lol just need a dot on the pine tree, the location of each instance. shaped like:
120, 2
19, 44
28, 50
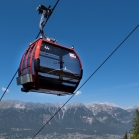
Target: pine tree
135, 129
125, 136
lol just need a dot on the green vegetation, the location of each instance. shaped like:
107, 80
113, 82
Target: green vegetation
125, 136
134, 134
135, 129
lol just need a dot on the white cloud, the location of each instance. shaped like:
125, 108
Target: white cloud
78, 93
3, 89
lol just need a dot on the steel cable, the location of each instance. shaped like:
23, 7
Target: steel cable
17, 69
87, 80
8, 85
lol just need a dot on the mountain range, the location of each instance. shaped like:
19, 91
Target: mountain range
23, 119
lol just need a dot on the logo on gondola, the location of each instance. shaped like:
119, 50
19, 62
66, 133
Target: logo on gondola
72, 56
47, 48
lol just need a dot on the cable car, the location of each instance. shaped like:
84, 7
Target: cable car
50, 68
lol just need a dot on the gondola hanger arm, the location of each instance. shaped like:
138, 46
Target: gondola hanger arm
46, 12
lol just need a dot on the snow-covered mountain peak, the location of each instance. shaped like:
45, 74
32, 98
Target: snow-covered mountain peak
97, 107
76, 104
93, 104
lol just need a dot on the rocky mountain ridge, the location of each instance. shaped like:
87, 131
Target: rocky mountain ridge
94, 105
90, 119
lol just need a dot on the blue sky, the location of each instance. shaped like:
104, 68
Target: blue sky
95, 28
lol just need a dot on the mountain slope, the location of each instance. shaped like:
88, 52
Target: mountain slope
21, 119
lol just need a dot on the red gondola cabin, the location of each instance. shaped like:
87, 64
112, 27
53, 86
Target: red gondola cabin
47, 67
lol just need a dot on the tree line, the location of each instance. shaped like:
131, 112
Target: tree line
134, 132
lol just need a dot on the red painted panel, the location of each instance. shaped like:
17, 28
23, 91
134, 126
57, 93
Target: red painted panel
37, 53
32, 54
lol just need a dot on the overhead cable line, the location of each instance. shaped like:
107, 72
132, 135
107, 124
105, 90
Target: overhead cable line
36, 38
87, 80
8, 85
